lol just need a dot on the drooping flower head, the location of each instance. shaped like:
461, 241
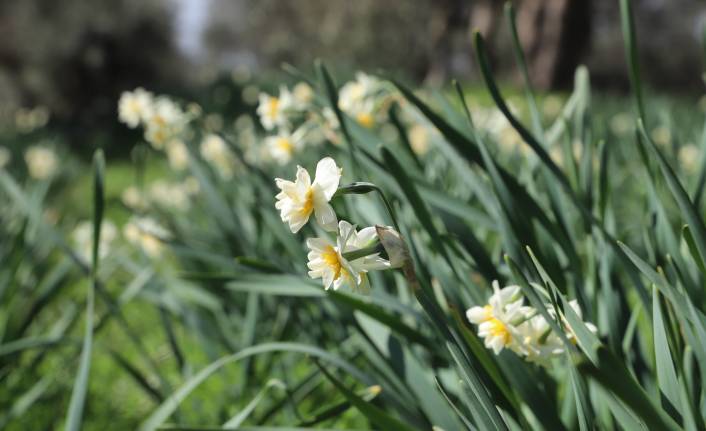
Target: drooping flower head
327, 261
301, 198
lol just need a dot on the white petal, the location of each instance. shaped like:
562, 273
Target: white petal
325, 216
296, 223
317, 244
328, 278
366, 236
345, 231
497, 345
374, 263
478, 315
328, 175
303, 180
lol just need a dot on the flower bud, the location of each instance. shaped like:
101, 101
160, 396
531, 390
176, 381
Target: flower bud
394, 245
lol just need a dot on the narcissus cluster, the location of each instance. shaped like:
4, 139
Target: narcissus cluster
505, 322
333, 260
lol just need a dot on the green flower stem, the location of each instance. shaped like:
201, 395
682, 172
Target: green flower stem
359, 188
363, 252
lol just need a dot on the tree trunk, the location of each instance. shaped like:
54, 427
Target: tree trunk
555, 34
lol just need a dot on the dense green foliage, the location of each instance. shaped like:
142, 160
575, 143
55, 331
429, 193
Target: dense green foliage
213, 322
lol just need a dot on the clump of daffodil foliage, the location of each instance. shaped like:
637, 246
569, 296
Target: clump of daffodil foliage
358, 255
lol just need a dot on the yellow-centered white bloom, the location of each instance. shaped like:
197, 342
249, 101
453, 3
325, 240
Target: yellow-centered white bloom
135, 107
215, 151
303, 95
282, 146
354, 93
299, 199
506, 323
133, 198
5, 157
164, 121
498, 319
177, 154
147, 234
272, 110
358, 99
326, 260
42, 162
83, 238
540, 343
169, 195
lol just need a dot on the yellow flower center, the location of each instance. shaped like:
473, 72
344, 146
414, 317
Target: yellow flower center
365, 119
273, 106
160, 135
330, 257
134, 106
285, 145
159, 121
308, 204
498, 329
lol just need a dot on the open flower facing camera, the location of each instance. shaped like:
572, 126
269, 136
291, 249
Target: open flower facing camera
301, 198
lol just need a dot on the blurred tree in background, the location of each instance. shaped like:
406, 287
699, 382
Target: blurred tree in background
76, 56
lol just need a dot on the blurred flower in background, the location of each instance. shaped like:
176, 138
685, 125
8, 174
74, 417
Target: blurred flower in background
83, 239
42, 162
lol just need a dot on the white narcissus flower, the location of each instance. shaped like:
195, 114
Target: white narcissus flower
303, 95
42, 162
541, 343
272, 110
83, 238
169, 195
498, 319
358, 99
282, 146
177, 154
326, 260
133, 198
577, 309
354, 93
215, 151
165, 120
147, 234
506, 322
299, 199
135, 107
